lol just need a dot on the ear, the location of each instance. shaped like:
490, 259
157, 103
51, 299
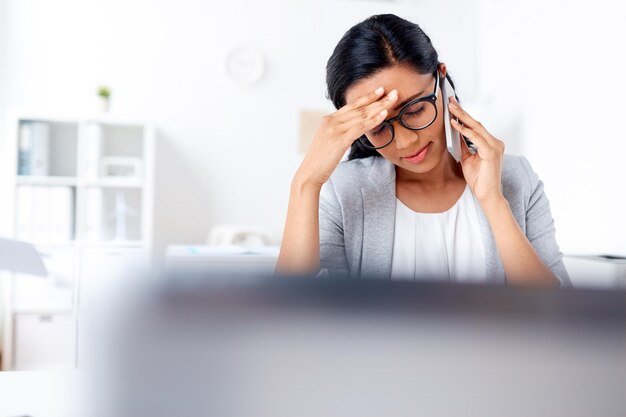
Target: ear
442, 69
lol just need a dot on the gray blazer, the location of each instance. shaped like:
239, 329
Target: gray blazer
358, 208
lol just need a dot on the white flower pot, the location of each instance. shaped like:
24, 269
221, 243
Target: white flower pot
105, 104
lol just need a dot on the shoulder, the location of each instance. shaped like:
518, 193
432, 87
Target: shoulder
518, 178
350, 177
362, 172
359, 168
347, 177
517, 169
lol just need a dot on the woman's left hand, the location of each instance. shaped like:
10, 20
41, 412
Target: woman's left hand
482, 170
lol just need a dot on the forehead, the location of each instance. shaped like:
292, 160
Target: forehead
401, 77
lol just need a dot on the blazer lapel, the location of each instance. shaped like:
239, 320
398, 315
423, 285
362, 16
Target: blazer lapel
379, 214
494, 270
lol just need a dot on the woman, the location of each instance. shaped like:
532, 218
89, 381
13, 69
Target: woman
402, 206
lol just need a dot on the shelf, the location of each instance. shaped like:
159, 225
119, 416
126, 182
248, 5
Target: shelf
74, 181
113, 183
54, 245
81, 189
43, 246
113, 244
60, 117
41, 311
46, 180
47, 148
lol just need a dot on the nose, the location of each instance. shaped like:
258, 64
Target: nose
405, 139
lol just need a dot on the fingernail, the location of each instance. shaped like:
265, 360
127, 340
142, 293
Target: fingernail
379, 90
393, 93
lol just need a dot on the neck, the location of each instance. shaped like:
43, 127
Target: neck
444, 174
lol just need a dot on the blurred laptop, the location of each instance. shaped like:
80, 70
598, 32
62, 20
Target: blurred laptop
221, 345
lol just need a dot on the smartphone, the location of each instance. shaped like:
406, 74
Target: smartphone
453, 138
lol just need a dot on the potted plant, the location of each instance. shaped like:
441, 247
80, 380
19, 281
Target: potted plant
105, 97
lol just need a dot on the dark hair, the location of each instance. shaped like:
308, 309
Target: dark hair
378, 42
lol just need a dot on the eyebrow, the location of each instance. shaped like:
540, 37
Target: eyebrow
413, 97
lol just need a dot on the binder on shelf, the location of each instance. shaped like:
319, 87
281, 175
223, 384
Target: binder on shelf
25, 212
40, 149
61, 214
44, 214
92, 150
25, 148
40, 217
92, 218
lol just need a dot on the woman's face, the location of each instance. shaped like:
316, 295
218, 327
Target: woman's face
417, 151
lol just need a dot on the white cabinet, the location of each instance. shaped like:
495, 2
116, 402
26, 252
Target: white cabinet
120, 262
56, 292
44, 341
81, 190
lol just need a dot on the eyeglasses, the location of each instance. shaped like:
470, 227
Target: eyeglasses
415, 115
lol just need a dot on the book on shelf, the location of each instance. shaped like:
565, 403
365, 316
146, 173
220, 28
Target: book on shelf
61, 214
24, 207
34, 148
44, 214
92, 216
24, 148
92, 150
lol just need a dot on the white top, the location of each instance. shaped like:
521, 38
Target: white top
444, 246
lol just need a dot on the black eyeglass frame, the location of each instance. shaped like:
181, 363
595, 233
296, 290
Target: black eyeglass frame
432, 98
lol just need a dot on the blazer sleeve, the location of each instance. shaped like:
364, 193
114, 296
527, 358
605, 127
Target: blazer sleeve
540, 229
333, 259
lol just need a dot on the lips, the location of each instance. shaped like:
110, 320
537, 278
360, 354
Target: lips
416, 153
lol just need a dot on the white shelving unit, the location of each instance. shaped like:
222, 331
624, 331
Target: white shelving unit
81, 190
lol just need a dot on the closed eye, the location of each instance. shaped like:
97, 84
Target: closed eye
412, 113
377, 130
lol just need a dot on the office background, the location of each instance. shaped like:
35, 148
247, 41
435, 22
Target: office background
544, 76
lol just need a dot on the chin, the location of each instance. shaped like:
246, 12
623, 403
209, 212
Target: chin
422, 168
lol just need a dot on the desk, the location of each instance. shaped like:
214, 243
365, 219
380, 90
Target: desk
584, 271
259, 259
596, 271
39, 393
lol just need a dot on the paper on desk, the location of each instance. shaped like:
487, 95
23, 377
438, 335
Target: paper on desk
17, 256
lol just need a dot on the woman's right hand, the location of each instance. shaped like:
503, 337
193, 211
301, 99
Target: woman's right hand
338, 131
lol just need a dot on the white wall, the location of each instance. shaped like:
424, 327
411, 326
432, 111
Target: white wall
165, 63
561, 66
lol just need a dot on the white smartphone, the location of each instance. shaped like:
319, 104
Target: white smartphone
453, 138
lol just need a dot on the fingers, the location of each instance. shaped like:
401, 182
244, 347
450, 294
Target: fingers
358, 121
466, 119
486, 149
478, 140
368, 110
357, 127
486, 144
362, 101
